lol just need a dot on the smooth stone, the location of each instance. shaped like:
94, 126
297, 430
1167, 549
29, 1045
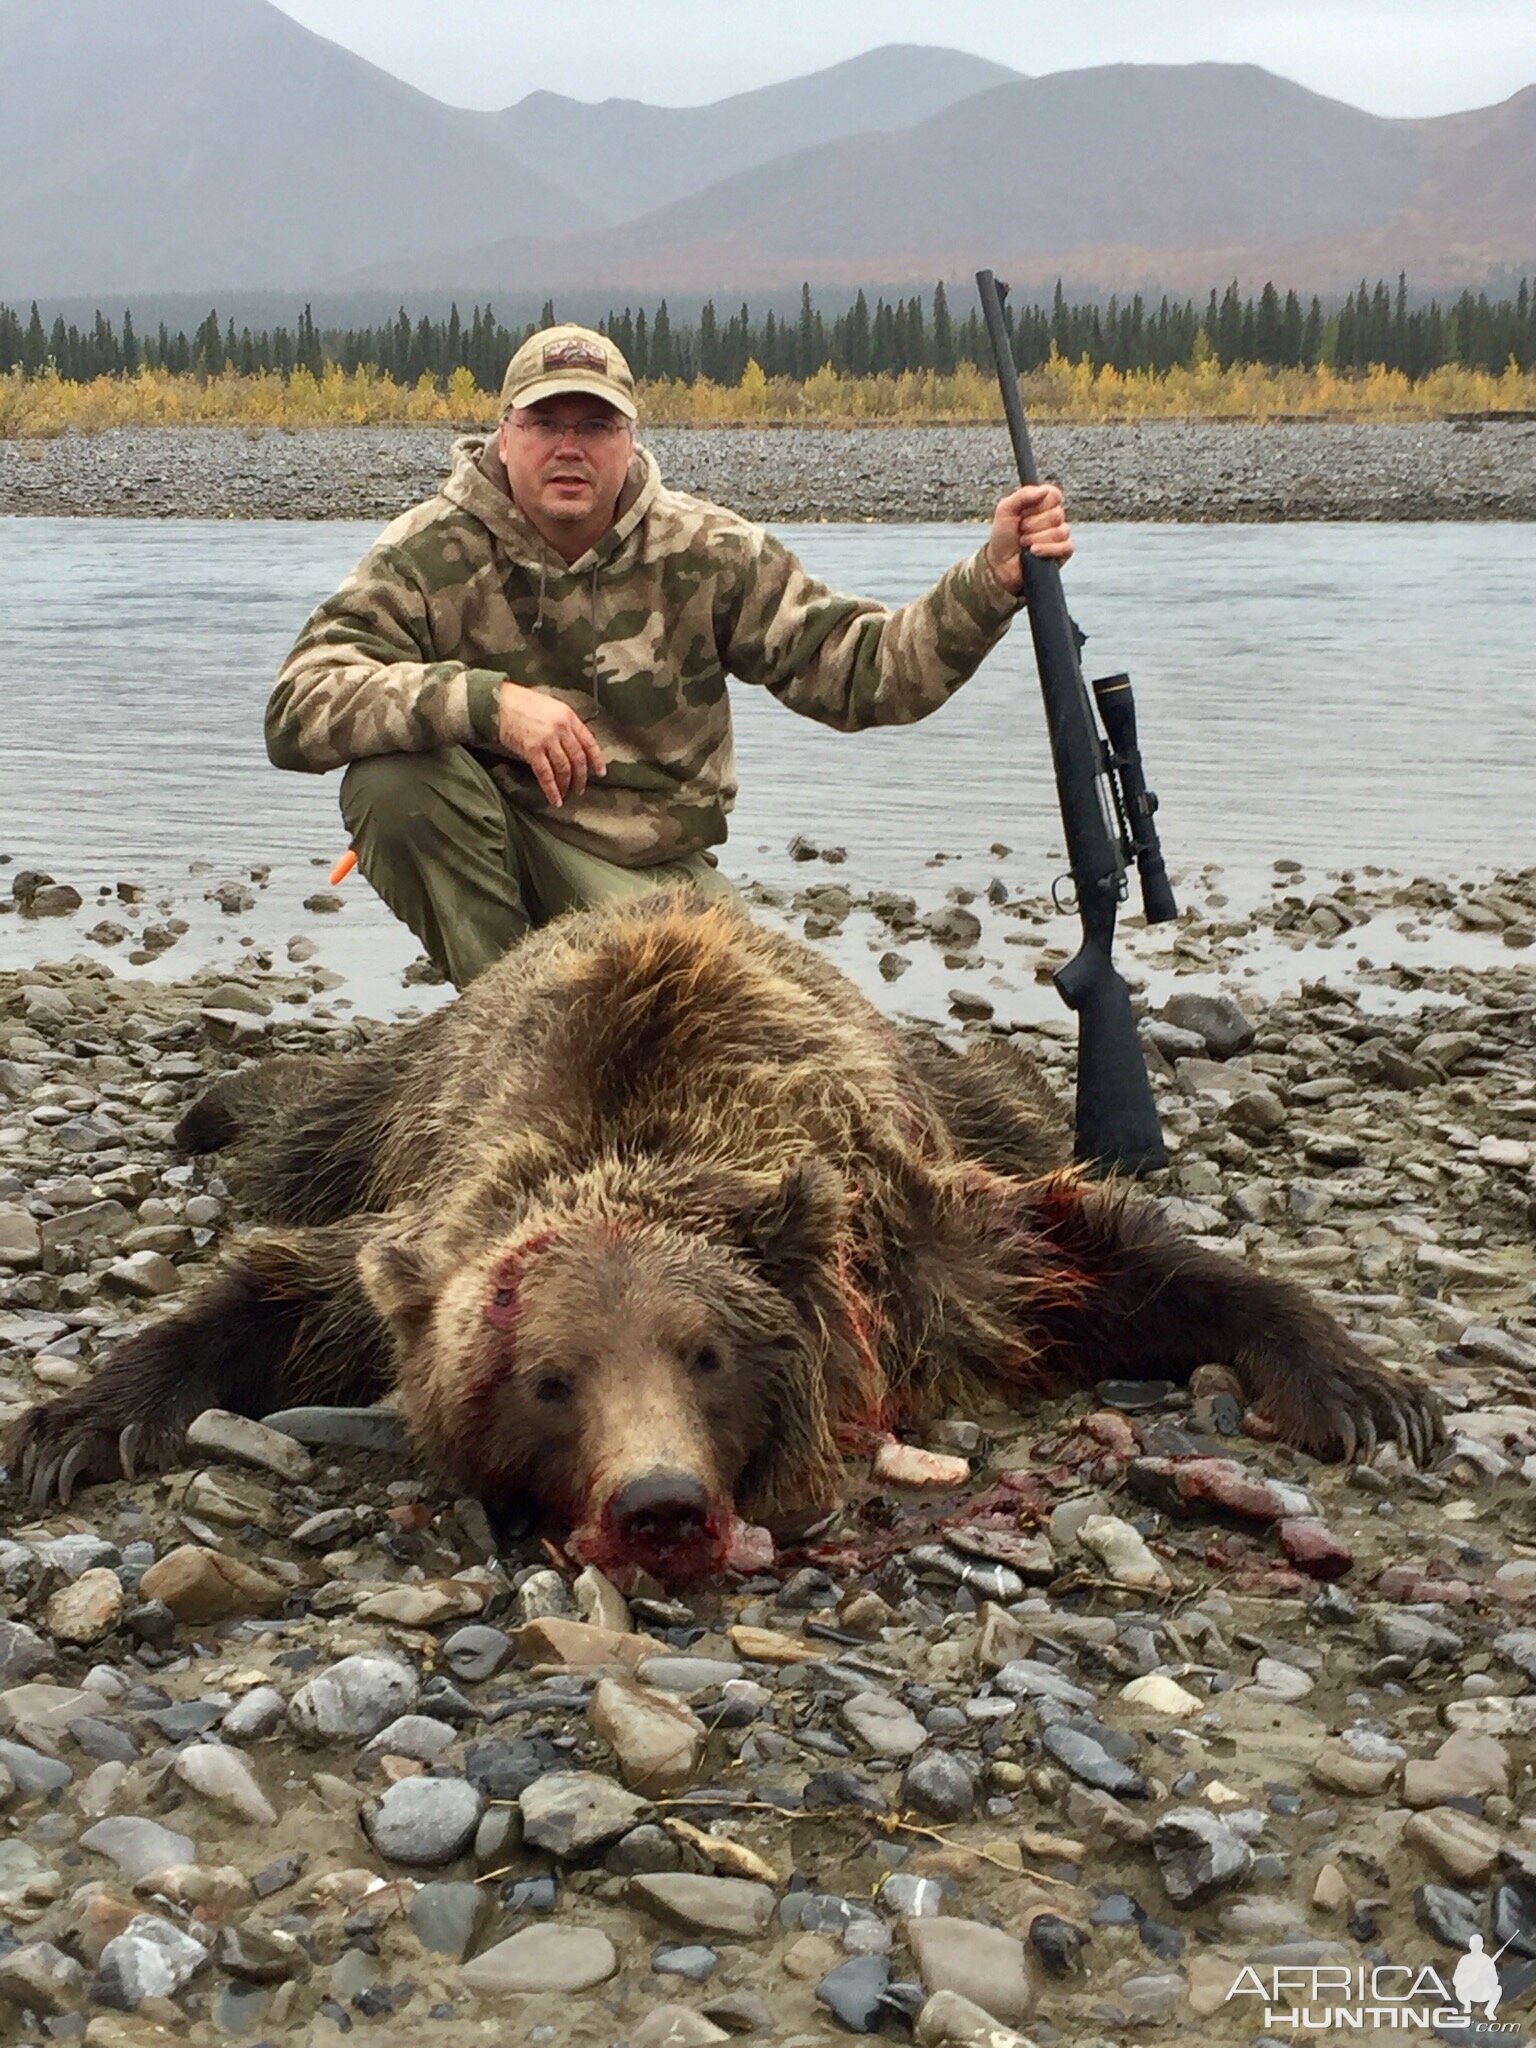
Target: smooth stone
1027, 1678
357, 1697
198, 1584
424, 1821
1160, 1694
854, 1991
949, 2020
1091, 1762
906, 1465
1463, 1767
138, 1846
687, 1676
543, 1958
88, 1609
883, 1724
1282, 1683
693, 1961
33, 1774
225, 1778
1460, 1847
259, 1713
476, 1652
418, 1736
658, 1742
424, 1605
251, 1443
984, 1964
939, 1784
645, 1849
103, 1739
1123, 1553
732, 1907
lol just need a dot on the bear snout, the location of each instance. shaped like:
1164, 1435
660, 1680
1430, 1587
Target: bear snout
666, 1521
662, 1512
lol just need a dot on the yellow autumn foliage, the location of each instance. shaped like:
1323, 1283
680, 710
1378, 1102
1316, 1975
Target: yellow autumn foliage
1060, 392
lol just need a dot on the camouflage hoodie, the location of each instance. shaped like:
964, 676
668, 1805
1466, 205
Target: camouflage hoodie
637, 636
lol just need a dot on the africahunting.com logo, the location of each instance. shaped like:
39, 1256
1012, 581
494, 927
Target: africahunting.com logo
1333, 1999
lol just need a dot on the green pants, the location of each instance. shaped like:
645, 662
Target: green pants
467, 871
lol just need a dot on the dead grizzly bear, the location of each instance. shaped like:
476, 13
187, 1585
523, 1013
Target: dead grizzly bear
654, 1212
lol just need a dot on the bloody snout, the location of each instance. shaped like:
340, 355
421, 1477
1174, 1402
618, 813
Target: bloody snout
661, 1512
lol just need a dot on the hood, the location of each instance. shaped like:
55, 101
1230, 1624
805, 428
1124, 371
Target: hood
477, 483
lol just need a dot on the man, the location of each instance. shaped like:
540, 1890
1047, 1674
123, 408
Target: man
525, 677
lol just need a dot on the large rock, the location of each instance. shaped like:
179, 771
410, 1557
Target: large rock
732, 1907
573, 1814
149, 1959
424, 1821
1217, 1021
198, 1584
549, 1958
138, 1846
357, 1697
984, 1964
658, 1742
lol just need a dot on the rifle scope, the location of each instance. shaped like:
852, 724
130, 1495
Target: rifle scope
1117, 708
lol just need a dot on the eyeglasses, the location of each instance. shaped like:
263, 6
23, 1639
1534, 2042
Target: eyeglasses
552, 432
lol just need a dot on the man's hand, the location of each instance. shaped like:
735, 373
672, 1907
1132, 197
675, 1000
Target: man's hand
549, 736
1031, 517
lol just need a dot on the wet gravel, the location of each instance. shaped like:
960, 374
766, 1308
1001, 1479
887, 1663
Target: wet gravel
1161, 470
293, 1744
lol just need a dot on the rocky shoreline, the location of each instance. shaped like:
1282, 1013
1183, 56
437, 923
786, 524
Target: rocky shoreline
1164, 470
1127, 1703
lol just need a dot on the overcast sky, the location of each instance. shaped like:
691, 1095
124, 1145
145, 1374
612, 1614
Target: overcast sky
1391, 56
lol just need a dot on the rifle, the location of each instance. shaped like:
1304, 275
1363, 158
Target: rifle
1107, 811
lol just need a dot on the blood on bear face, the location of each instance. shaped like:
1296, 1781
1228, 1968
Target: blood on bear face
629, 1377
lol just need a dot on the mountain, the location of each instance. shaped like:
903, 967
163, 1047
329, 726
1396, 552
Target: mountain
199, 144
632, 159
1123, 175
217, 147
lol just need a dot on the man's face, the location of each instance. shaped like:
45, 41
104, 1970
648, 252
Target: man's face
566, 459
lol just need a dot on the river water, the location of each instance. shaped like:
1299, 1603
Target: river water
1341, 695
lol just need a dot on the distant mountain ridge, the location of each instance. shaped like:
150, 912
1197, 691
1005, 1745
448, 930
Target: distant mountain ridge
632, 159
214, 146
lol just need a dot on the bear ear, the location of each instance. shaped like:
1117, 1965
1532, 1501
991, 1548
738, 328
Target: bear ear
400, 1282
792, 1230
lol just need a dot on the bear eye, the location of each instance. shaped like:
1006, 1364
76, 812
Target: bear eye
551, 1388
706, 1360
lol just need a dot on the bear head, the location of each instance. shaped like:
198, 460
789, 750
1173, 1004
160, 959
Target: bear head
640, 1352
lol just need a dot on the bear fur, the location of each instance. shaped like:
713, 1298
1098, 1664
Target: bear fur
652, 1217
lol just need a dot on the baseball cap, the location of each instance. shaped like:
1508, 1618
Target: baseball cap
558, 360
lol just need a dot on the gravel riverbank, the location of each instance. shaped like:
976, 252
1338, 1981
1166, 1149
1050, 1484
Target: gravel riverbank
292, 1743
1161, 470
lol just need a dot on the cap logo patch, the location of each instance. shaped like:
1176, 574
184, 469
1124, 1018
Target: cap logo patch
573, 354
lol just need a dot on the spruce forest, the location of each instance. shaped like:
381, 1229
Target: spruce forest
910, 358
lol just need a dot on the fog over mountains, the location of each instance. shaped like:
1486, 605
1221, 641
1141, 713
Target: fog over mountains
216, 145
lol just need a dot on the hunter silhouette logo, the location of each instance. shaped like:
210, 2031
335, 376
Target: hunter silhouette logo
1475, 1979
1331, 1999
